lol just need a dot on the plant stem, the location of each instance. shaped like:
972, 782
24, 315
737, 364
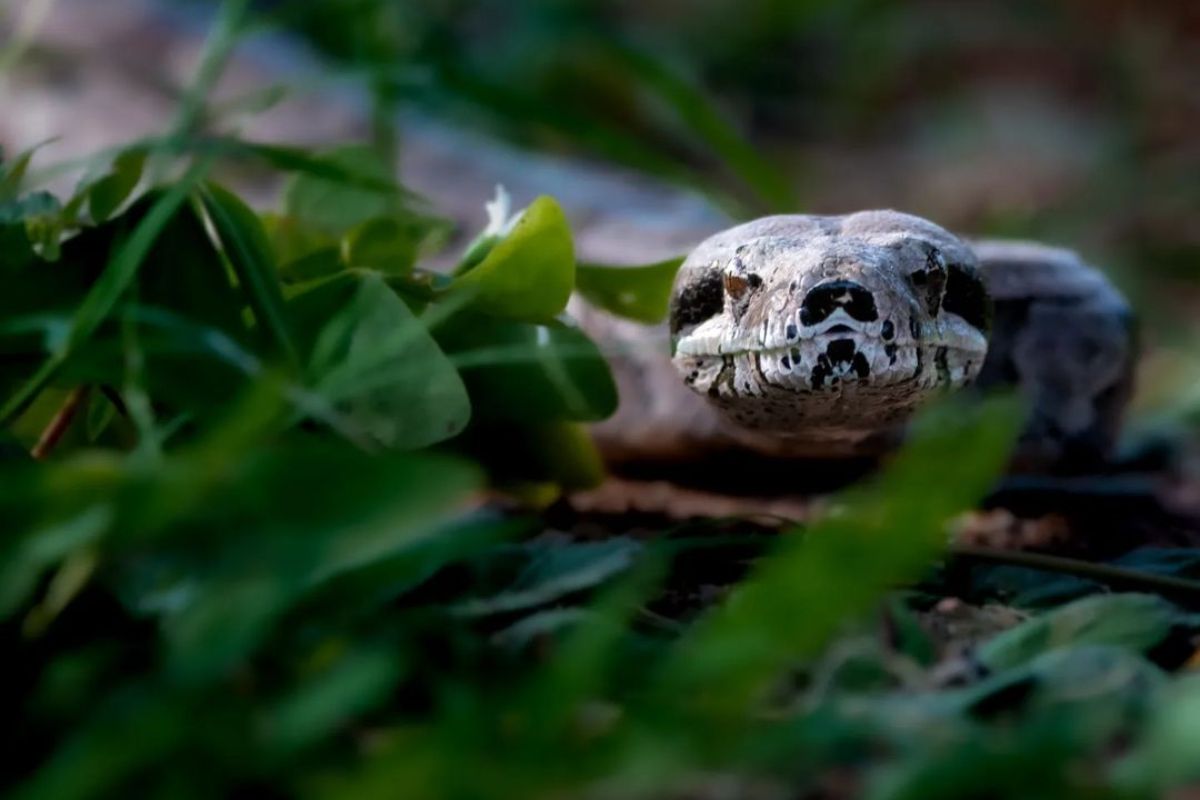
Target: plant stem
1117, 577
60, 424
217, 51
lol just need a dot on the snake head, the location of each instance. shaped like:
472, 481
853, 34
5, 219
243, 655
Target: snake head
811, 325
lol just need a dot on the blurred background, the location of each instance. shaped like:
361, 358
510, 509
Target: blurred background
1069, 121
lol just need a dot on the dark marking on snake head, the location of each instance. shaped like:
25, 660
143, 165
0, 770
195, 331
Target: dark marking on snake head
754, 280
785, 363
860, 365
914, 329
841, 351
839, 355
826, 298
820, 372
792, 332
929, 282
888, 331
699, 299
967, 297
890, 351
941, 361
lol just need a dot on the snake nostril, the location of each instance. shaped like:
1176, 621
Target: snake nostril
826, 298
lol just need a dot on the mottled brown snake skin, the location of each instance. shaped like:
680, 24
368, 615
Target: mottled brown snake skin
820, 336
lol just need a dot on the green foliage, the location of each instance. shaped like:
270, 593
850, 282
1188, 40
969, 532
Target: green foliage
258, 544
375, 362
881, 534
639, 293
1136, 622
529, 274
107, 194
548, 73
253, 554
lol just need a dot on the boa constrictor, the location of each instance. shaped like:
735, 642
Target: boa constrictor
820, 336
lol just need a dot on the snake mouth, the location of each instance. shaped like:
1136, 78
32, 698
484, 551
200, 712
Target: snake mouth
833, 365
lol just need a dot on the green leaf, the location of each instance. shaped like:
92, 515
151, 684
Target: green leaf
12, 174
182, 322
16, 251
375, 361
317, 511
120, 271
1169, 757
386, 244
531, 373
28, 559
529, 274
557, 570
356, 683
245, 243
107, 194
1135, 621
641, 294
303, 252
334, 205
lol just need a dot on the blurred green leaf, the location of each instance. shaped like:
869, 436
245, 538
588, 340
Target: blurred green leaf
120, 271
136, 728
641, 294
881, 535
531, 373
386, 244
16, 251
12, 173
555, 571
529, 274
303, 252
27, 559
107, 194
334, 205
1170, 754
374, 360
344, 511
355, 683
245, 244
1134, 621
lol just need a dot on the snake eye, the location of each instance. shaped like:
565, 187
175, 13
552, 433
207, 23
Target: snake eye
929, 282
737, 286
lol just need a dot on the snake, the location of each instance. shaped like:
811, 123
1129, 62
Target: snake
821, 336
